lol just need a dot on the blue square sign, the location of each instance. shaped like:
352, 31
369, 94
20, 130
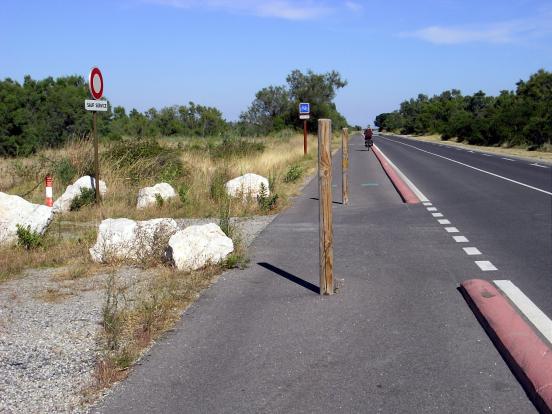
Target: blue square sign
304, 108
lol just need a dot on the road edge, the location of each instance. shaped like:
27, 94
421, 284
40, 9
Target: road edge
528, 356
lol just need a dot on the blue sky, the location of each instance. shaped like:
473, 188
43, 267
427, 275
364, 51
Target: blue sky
155, 53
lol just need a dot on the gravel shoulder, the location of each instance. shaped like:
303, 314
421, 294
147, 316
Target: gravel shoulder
49, 331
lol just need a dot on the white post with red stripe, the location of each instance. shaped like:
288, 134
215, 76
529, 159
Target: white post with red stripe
49, 192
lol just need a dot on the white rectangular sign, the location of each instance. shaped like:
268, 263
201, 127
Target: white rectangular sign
92, 105
304, 116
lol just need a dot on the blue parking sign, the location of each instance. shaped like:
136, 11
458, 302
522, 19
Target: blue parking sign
304, 108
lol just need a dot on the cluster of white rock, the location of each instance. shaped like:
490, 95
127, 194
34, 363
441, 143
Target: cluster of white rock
127, 240
188, 249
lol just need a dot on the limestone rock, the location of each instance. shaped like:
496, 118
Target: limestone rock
15, 210
197, 246
128, 240
147, 195
63, 203
247, 185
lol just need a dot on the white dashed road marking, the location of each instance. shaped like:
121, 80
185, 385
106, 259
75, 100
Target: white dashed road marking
538, 165
437, 214
460, 239
508, 159
452, 230
486, 155
527, 307
472, 251
431, 209
427, 203
443, 221
485, 265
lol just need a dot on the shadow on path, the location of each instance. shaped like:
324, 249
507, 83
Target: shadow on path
317, 199
290, 277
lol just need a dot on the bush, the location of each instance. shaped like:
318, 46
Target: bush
183, 191
159, 200
266, 202
293, 173
224, 220
65, 171
87, 197
236, 148
217, 190
28, 238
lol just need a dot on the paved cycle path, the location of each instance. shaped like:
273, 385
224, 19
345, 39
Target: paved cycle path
396, 338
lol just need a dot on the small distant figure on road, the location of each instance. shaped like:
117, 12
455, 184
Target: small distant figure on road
368, 133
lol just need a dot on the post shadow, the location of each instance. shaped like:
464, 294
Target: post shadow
333, 202
290, 277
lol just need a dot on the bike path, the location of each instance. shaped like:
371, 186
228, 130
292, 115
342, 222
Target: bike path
396, 338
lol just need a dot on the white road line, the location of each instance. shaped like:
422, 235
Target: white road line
485, 265
460, 239
444, 221
508, 159
437, 214
431, 209
427, 203
452, 230
472, 251
538, 165
486, 155
471, 152
409, 183
527, 307
477, 169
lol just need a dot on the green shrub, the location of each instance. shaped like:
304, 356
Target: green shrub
293, 173
236, 148
266, 202
224, 219
159, 200
86, 197
28, 238
65, 171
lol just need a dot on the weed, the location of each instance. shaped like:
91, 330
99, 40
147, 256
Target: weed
159, 200
293, 173
111, 315
217, 189
86, 197
236, 148
51, 295
28, 238
224, 218
183, 191
266, 202
272, 178
65, 171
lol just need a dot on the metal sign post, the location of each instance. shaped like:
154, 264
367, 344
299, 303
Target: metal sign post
95, 84
304, 114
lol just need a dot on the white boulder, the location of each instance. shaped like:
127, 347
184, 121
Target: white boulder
197, 246
147, 195
248, 185
15, 210
63, 204
124, 239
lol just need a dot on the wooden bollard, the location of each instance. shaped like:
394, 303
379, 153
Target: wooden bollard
345, 167
325, 198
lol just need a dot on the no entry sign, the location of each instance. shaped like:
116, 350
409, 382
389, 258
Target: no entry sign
95, 83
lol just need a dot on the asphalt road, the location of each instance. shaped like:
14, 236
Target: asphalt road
397, 338
510, 222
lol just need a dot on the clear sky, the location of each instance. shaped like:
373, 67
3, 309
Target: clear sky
156, 53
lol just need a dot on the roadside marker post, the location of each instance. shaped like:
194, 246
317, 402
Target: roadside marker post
49, 199
96, 86
345, 166
325, 206
304, 114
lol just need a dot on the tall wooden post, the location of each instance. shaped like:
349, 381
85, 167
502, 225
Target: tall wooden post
305, 137
325, 197
96, 161
345, 166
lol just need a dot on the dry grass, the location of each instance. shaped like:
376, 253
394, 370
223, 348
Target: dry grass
53, 295
544, 155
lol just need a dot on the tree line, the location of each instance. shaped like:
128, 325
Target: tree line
47, 113
513, 118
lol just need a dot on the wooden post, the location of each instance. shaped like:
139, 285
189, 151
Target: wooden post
304, 137
345, 167
325, 198
96, 161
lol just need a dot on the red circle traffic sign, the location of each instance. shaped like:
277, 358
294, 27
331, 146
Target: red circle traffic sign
95, 83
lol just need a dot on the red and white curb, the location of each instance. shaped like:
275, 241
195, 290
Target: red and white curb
520, 330
408, 191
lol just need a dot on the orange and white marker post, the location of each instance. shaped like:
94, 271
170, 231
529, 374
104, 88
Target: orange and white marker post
49, 192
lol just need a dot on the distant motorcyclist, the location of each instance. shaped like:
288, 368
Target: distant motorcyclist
368, 134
